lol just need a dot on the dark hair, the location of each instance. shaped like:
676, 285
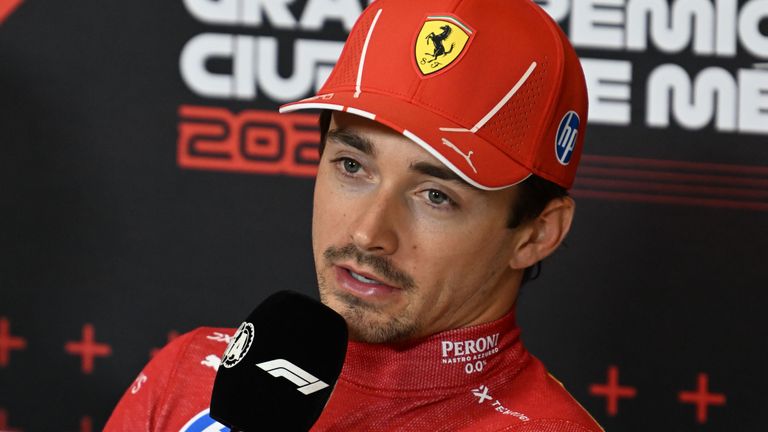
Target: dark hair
534, 193
324, 123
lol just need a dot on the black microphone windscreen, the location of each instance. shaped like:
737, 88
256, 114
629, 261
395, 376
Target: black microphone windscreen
281, 366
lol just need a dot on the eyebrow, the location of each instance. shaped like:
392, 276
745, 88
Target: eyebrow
347, 137
440, 172
350, 138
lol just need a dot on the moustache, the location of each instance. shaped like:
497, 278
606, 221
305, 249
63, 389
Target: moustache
381, 265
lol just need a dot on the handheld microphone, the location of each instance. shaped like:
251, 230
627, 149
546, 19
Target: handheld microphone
281, 366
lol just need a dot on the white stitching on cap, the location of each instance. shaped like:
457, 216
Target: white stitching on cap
316, 105
455, 130
361, 113
365, 51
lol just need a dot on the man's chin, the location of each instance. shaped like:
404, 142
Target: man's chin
367, 322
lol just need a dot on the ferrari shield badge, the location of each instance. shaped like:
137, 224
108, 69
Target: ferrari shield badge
441, 43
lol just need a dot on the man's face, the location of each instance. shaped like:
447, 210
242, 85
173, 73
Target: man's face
403, 248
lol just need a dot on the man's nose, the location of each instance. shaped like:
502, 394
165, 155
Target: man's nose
375, 230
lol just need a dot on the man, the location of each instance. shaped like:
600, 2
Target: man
450, 132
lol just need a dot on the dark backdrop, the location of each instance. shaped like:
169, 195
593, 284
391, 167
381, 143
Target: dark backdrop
139, 200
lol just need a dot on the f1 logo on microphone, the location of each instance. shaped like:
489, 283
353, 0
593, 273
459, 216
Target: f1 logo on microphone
307, 383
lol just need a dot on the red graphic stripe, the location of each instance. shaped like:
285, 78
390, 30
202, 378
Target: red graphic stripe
673, 182
669, 199
629, 185
7, 7
674, 165
672, 176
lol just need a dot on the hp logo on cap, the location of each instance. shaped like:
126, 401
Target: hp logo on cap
565, 140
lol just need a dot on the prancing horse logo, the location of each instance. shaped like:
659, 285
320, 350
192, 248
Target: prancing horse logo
437, 41
440, 43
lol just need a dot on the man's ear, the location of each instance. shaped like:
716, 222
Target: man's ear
539, 237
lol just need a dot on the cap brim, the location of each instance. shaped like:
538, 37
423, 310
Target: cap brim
472, 158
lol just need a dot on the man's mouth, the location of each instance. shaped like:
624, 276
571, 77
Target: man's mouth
345, 258
363, 285
362, 278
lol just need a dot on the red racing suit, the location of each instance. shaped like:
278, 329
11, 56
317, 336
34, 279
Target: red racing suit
478, 378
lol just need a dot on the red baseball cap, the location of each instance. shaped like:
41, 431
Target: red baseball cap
491, 88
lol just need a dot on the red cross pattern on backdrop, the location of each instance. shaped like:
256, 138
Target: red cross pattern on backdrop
612, 391
8, 342
702, 398
88, 348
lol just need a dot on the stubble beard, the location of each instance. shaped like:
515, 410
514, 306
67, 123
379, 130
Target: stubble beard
367, 322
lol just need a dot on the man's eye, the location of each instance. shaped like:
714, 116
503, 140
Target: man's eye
350, 165
437, 197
